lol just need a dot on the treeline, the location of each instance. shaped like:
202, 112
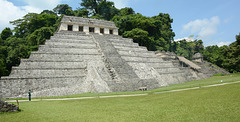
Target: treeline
227, 57
28, 33
153, 32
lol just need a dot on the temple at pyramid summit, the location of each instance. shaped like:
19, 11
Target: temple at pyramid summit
87, 55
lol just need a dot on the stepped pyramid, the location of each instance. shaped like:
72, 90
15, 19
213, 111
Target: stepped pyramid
87, 55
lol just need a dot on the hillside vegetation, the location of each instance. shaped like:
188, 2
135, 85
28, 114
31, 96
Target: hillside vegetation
153, 32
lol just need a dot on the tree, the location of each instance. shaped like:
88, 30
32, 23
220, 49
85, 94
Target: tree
107, 10
126, 11
232, 56
47, 12
61, 8
6, 33
138, 35
198, 48
81, 12
91, 5
69, 12
39, 36
32, 22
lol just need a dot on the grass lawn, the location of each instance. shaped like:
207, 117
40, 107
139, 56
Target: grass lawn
220, 103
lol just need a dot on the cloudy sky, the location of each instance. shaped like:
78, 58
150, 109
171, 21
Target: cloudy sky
216, 22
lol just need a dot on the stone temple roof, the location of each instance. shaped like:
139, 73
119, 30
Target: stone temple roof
191, 64
88, 21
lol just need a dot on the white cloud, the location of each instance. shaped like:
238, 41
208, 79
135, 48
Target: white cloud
31, 9
10, 12
121, 3
205, 28
41, 4
188, 39
223, 43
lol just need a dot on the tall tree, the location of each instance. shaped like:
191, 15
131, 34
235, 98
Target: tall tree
6, 33
81, 12
126, 11
107, 10
61, 8
92, 5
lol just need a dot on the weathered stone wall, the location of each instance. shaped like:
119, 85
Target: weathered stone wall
8, 107
87, 21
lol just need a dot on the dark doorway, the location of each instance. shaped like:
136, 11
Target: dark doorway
70, 27
102, 30
81, 28
111, 31
91, 29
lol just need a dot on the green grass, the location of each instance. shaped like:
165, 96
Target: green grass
220, 103
213, 80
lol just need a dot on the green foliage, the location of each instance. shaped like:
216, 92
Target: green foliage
91, 5
48, 12
107, 10
138, 35
69, 12
6, 33
227, 57
126, 11
81, 13
213, 54
62, 8
39, 36
30, 31
160, 34
187, 49
31, 22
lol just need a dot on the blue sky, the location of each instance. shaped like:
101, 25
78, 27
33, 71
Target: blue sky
216, 22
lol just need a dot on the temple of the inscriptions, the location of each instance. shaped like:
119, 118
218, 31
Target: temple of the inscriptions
87, 55
87, 25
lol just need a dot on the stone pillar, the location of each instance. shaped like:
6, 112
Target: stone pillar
115, 32
97, 30
75, 28
106, 31
86, 29
63, 26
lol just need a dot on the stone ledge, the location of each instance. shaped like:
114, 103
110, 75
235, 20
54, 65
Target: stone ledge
52, 53
21, 78
30, 60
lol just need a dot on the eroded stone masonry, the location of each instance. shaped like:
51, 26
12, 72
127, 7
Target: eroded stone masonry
88, 55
